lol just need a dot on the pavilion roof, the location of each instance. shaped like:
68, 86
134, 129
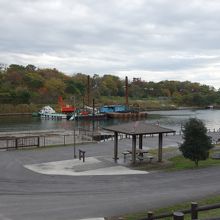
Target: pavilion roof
138, 127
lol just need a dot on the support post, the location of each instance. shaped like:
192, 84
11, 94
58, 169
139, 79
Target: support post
194, 211
178, 216
93, 115
16, 143
160, 144
140, 141
115, 146
133, 148
74, 143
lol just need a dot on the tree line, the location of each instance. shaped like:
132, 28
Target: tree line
29, 84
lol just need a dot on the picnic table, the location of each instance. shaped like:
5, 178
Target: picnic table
140, 154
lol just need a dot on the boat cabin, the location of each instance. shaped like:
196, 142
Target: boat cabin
113, 108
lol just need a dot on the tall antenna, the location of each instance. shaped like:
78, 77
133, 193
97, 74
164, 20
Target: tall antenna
126, 91
88, 90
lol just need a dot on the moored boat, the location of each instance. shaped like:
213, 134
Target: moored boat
55, 116
48, 112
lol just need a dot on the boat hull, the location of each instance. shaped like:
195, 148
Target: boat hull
53, 116
127, 115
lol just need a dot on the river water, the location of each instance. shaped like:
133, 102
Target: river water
171, 119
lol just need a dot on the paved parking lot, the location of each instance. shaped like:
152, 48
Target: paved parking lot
26, 194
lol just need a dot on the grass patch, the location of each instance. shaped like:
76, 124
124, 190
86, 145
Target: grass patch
181, 163
177, 207
176, 162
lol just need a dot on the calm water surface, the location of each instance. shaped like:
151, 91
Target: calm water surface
170, 119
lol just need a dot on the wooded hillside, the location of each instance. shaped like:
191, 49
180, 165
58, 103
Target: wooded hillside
28, 84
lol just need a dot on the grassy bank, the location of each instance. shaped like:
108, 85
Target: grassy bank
137, 104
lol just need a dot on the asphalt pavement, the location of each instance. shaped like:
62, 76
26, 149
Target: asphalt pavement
26, 194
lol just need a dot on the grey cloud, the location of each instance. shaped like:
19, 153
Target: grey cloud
112, 36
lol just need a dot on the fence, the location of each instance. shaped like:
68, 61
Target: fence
16, 142
179, 215
41, 140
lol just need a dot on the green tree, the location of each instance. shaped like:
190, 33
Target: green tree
110, 85
196, 143
74, 88
34, 80
55, 88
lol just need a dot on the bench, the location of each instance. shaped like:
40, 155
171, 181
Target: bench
82, 155
149, 157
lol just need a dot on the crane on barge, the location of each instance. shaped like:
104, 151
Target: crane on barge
65, 108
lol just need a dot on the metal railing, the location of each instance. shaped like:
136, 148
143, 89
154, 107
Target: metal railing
179, 215
41, 140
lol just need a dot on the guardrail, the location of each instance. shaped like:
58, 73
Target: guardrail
179, 215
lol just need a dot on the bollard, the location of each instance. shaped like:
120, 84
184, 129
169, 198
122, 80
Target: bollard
38, 141
194, 211
178, 216
16, 143
150, 215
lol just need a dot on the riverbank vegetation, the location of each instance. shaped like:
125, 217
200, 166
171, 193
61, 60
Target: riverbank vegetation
33, 86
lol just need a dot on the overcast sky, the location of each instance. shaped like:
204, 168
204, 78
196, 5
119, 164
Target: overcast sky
152, 39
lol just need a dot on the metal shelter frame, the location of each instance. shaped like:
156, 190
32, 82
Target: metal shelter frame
138, 128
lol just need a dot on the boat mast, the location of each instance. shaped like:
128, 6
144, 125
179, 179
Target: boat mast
126, 91
88, 90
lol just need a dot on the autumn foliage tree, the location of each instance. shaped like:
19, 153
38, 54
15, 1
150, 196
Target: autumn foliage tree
30, 84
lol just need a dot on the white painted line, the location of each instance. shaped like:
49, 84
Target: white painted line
78, 168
